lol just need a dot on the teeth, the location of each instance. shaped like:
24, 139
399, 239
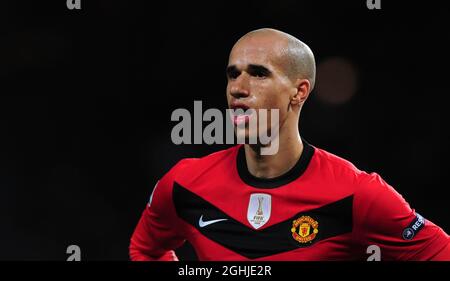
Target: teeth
241, 118
239, 111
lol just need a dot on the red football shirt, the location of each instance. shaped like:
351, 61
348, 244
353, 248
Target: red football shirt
324, 208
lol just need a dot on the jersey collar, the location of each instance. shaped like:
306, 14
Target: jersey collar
291, 175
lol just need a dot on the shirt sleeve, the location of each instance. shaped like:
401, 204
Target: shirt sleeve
156, 236
384, 218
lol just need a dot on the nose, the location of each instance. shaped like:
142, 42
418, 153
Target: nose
239, 87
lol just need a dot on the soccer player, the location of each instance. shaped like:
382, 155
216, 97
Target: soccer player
302, 203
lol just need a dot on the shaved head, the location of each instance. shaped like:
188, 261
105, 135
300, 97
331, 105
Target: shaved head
294, 57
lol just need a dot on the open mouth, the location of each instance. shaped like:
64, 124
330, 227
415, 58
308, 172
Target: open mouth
240, 113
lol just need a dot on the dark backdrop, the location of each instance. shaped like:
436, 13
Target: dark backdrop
86, 98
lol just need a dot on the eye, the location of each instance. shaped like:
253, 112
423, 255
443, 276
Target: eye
259, 71
233, 73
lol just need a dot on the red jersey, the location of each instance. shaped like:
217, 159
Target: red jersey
324, 208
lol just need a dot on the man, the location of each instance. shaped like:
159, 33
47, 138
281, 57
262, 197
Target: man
301, 203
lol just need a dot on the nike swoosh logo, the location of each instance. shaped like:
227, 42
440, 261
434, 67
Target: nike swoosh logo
203, 223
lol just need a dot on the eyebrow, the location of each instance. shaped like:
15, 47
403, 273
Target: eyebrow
250, 68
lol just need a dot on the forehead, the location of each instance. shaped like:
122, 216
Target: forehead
257, 50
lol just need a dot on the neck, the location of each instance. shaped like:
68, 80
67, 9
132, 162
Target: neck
271, 166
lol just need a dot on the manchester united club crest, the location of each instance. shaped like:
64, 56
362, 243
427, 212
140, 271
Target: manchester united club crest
304, 229
259, 207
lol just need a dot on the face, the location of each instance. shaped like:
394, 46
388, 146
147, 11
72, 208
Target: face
257, 80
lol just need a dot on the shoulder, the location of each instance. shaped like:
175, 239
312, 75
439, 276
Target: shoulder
336, 168
188, 169
328, 160
370, 190
340, 170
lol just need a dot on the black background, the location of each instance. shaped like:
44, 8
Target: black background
86, 98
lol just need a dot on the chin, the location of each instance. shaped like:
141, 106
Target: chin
246, 136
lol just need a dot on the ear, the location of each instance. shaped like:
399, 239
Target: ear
302, 91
